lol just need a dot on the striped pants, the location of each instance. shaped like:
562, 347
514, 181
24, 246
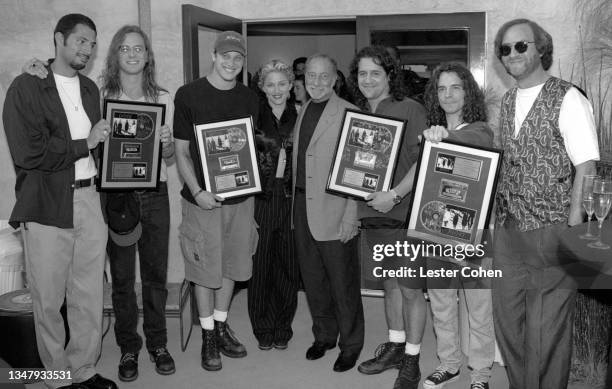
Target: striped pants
272, 296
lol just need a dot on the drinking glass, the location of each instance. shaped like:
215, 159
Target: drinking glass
587, 202
602, 200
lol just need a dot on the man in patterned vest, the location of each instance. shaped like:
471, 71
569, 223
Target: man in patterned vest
549, 141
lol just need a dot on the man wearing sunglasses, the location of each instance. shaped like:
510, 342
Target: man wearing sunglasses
549, 141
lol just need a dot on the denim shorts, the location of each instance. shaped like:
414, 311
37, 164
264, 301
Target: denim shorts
218, 243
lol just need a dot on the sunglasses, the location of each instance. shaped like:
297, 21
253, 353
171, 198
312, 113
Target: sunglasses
520, 48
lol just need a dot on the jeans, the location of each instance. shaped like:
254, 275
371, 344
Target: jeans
446, 325
153, 255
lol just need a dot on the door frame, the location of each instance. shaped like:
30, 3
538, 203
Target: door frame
477, 30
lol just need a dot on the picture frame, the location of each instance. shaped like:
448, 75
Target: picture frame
453, 192
130, 157
228, 157
366, 154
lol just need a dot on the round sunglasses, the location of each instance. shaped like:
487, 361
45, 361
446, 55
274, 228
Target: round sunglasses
520, 47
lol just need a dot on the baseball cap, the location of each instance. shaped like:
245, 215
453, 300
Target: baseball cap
230, 41
123, 211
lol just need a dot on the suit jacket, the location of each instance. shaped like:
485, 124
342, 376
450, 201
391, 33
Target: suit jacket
325, 212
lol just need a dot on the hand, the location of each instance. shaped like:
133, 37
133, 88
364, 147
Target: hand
435, 133
166, 135
208, 201
98, 133
381, 201
35, 67
347, 231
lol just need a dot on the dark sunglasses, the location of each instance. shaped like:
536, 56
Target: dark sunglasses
520, 48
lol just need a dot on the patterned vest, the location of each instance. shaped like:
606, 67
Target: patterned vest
537, 174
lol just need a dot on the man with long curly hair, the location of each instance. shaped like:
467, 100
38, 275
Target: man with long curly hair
456, 111
376, 82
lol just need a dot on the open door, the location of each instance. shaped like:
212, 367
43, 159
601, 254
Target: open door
425, 40
200, 29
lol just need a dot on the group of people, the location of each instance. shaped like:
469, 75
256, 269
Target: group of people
53, 126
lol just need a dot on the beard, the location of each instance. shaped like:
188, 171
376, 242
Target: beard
77, 65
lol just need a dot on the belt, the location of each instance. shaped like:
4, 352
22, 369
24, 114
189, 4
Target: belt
84, 183
299, 190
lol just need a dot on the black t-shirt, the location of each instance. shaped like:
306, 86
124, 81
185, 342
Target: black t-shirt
309, 123
199, 103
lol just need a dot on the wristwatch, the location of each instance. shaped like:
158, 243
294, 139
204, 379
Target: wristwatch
396, 198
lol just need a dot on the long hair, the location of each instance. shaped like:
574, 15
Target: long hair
111, 84
543, 40
473, 110
381, 57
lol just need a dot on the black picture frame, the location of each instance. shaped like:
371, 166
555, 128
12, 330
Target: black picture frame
228, 157
366, 154
130, 157
457, 183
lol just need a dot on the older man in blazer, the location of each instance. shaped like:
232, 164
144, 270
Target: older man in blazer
324, 224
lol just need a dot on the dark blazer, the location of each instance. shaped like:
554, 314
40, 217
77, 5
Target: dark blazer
42, 148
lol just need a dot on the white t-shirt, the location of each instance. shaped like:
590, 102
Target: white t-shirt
576, 122
70, 94
166, 99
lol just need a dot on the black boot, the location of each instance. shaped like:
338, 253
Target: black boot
409, 374
128, 367
211, 360
387, 356
229, 345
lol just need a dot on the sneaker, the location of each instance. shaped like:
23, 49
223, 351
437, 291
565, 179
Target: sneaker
128, 367
228, 344
409, 374
387, 356
479, 385
211, 360
439, 378
164, 364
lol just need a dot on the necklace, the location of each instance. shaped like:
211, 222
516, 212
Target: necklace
76, 106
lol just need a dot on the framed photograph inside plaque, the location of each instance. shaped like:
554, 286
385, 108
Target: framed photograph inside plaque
227, 154
366, 154
131, 155
453, 192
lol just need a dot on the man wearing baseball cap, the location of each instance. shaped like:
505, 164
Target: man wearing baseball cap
218, 237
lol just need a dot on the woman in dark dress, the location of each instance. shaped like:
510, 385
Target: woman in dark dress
273, 287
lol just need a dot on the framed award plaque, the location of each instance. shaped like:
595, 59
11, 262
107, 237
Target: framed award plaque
228, 157
453, 192
366, 154
131, 155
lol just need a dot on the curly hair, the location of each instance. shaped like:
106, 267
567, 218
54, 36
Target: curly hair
274, 66
381, 57
473, 110
543, 40
111, 84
